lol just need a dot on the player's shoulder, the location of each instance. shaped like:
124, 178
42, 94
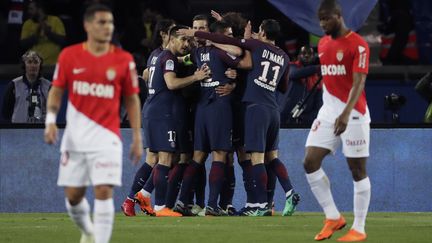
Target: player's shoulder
324, 40
72, 49
356, 38
121, 54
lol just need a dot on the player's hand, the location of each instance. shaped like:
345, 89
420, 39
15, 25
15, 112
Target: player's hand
231, 73
136, 151
50, 134
216, 15
341, 124
248, 30
202, 73
186, 32
225, 89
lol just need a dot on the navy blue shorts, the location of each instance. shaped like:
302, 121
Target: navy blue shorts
184, 136
184, 117
159, 135
238, 109
261, 128
213, 127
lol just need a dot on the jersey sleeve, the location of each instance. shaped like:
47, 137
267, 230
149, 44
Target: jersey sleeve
130, 82
169, 64
60, 73
228, 59
361, 57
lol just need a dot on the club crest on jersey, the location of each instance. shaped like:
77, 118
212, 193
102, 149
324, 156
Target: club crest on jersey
339, 55
111, 74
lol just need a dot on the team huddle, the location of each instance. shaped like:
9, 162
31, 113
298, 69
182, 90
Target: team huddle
212, 89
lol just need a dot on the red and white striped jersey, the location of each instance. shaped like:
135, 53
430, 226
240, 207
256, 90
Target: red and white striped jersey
95, 85
339, 59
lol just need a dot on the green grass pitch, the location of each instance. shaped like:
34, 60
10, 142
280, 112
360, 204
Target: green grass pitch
57, 227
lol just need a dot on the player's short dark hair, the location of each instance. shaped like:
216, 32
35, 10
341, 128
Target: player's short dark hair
174, 29
219, 27
237, 23
271, 28
331, 6
164, 26
201, 17
92, 9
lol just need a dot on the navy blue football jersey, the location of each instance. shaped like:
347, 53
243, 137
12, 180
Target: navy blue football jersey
160, 100
218, 61
269, 68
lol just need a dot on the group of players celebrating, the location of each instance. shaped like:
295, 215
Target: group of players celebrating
249, 117
239, 74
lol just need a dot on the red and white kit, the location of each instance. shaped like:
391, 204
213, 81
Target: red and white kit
91, 143
339, 59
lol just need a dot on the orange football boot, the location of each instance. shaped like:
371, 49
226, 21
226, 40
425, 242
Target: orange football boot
166, 212
352, 236
145, 204
330, 226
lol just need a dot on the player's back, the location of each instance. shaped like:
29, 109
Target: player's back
268, 69
159, 103
218, 61
95, 85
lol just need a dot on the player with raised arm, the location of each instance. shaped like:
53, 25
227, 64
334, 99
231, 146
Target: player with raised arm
96, 74
159, 122
343, 118
137, 192
212, 134
269, 73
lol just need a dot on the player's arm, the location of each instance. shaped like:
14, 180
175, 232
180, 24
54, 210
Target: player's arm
246, 61
53, 106
283, 84
173, 82
248, 44
231, 49
133, 106
359, 80
145, 75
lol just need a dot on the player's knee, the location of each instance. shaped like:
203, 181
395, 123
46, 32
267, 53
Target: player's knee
310, 164
219, 156
358, 173
103, 192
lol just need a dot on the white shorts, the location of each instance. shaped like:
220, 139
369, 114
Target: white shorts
355, 140
78, 169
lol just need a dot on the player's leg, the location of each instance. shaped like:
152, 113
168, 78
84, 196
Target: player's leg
143, 197
216, 179
259, 180
278, 168
161, 183
245, 163
103, 213
228, 187
320, 142
105, 173
137, 193
78, 210
356, 148
175, 177
188, 182
255, 143
271, 186
74, 177
362, 194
